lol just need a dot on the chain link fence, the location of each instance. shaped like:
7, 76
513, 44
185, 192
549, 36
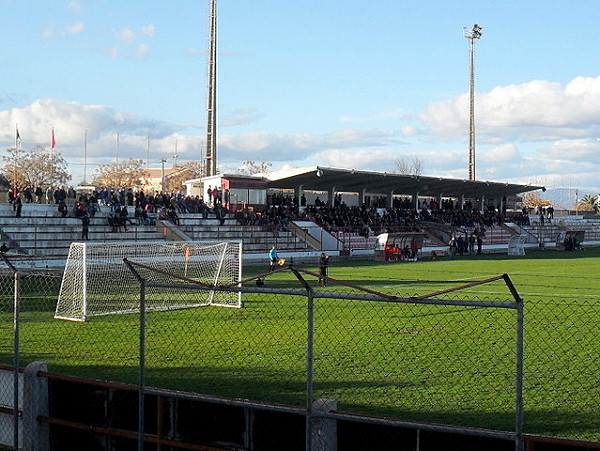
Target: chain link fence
414, 350
450, 356
27, 298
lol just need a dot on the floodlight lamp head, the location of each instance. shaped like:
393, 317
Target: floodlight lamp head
473, 33
319, 172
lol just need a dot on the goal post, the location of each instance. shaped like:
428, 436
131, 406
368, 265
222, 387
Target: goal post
96, 280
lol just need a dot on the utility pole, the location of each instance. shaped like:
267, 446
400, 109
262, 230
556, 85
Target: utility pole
176, 155
473, 34
163, 184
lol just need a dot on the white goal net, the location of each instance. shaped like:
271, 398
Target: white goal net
96, 280
516, 245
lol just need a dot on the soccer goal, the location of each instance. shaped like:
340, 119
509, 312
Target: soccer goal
96, 280
516, 245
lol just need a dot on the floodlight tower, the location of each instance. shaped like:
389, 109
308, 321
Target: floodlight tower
211, 107
472, 35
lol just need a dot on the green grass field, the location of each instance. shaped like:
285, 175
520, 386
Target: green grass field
448, 364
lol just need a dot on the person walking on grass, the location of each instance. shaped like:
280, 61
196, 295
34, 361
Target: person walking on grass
323, 265
273, 257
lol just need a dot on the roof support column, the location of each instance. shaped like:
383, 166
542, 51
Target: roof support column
298, 191
331, 196
390, 200
361, 196
462, 202
415, 199
439, 201
482, 204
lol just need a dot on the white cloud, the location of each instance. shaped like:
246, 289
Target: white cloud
240, 116
70, 121
148, 30
583, 150
112, 52
48, 33
500, 154
369, 149
141, 50
535, 111
126, 35
358, 159
409, 130
282, 147
73, 5
76, 28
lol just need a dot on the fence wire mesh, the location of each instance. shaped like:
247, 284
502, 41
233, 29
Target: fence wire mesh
451, 364
561, 359
27, 301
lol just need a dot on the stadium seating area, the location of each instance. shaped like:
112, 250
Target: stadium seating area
256, 238
42, 233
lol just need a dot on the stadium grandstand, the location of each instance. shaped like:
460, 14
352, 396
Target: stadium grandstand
302, 212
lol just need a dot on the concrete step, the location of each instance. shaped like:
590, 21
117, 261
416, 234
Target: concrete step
57, 230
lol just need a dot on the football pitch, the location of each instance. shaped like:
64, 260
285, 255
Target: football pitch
446, 364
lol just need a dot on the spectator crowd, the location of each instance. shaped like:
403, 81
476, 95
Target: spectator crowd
368, 219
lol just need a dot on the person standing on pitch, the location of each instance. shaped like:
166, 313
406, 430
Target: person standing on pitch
85, 227
273, 257
323, 264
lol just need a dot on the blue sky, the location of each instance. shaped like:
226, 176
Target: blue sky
350, 84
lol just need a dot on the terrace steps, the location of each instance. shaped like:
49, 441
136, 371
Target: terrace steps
41, 232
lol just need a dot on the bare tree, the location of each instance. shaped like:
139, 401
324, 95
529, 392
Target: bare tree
414, 167
35, 167
402, 166
532, 199
417, 166
127, 173
186, 171
252, 167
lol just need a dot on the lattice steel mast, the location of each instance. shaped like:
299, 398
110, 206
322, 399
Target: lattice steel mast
472, 34
211, 107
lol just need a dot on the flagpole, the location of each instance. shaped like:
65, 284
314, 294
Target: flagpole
85, 158
17, 142
52, 145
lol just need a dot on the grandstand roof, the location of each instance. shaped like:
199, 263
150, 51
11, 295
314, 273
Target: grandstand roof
319, 178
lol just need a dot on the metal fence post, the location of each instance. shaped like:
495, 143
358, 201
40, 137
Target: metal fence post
324, 430
519, 446
17, 308
309, 366
142, 355
142, 369
519, 364
36, 433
